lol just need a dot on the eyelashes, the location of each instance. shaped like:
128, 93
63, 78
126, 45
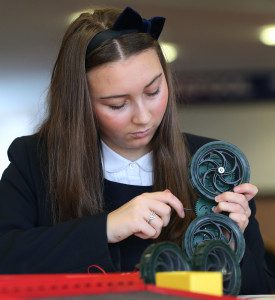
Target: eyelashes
117, 107
154, 93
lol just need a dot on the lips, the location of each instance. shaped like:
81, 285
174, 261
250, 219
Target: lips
141, 134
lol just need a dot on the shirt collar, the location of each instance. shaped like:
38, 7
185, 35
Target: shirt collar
113, 162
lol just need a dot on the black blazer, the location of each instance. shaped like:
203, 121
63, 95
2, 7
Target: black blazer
29, 243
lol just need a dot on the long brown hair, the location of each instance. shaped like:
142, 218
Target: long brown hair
71, 135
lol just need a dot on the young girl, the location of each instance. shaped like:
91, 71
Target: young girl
106, 174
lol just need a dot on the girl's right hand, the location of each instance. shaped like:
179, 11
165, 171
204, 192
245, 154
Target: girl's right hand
133, 217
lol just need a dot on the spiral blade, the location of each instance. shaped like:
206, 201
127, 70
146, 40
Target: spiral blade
179, 265
167, 258
205, 175
219, 153
161, 264
217, 259
208, 160
229, 172
205, 232
215, 183
228, 182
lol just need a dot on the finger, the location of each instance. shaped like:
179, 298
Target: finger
229, 207
249, 190
163, 210
157, 224
240, 219
145, 230
232, 197
170, 199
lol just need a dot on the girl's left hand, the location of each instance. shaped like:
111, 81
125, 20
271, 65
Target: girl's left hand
236, 203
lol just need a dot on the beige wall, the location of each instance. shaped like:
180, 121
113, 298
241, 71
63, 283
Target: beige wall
265, 215
251, 127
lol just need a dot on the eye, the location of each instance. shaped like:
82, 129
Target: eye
116, 107
154, 93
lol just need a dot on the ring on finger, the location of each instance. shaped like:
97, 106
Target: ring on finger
152, 216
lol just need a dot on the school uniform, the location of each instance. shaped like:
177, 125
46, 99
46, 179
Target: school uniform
29, 243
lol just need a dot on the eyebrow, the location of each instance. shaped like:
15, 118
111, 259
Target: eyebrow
124, 95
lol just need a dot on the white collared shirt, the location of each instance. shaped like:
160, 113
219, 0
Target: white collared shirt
119, 169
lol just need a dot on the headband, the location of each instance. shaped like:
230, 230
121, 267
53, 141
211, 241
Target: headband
129, 21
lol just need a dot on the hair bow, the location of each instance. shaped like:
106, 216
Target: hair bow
129, 21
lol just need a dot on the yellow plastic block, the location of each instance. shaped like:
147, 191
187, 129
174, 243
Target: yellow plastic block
192, 281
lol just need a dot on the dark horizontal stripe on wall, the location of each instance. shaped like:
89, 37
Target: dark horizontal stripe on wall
226, 86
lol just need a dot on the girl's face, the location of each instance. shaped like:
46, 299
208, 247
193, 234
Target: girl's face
129, 98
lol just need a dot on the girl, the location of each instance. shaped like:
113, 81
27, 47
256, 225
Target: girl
106, 174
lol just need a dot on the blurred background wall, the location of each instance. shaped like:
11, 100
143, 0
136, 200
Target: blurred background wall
226, 81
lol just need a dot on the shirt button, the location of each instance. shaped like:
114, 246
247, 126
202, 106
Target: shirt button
132, 165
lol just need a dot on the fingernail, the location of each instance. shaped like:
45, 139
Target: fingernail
217, 198
214, 209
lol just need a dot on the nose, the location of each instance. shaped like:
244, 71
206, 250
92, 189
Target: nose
141, 114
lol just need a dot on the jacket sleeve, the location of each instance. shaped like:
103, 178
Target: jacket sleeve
29, 246
255, 275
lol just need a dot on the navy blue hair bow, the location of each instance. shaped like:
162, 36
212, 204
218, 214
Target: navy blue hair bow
129, 21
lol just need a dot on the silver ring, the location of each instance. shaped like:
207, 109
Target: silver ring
152, 216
